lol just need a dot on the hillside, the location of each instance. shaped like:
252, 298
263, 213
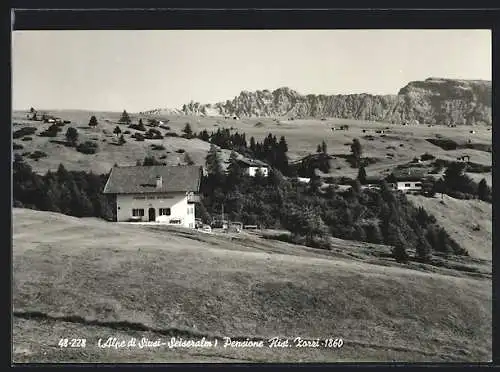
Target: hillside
124, 280
460, 218
433, 101
398, 146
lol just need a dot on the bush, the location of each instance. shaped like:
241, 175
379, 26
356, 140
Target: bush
171, 134
38, 155
138, 136
166, 127
180, 151
17, 146
51, 131
460, 195
153, 134
87, 147
157, 147
427, 156
445, 144
26, 139
126, 132
139, 127
26, 131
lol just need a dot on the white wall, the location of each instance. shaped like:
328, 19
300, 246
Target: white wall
177, 202
409, 185
252, 170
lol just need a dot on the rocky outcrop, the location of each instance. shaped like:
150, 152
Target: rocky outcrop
433, 101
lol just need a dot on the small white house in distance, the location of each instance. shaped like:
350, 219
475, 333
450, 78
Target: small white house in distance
251, 166
408, 181
158, 193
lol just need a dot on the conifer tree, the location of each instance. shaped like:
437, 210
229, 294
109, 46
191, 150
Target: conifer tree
125, 118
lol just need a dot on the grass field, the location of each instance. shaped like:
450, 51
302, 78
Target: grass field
137, 281
402, 142
461, 218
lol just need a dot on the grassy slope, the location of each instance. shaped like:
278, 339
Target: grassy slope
458, 217
302, 136
210, 286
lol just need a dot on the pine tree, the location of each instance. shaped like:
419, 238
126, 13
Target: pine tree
72, 136
399, 252
423, 249
125, 118
187, 130
362, 175
213, 162
373, 234
483, 190
323, 147
117, 130
121, 140
356, 151
318, 149
253, 145
234, 171
282, 145
93, 121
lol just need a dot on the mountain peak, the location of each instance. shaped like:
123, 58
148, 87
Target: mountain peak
431, 101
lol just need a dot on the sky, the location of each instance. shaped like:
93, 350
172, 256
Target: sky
143, 70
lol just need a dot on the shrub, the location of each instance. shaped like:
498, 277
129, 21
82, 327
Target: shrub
26, 139
38, 155
166, 127
171, 134
138, 136
180, 151
139, 127
157, 147
51, 131
427, 156
445, 144
26, 131
126, 132
87, 147
17, 146
153, 134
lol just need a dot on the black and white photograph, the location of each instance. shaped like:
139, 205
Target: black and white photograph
251, 196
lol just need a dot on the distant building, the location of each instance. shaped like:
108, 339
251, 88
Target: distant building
158, 193
251, 167
408, 180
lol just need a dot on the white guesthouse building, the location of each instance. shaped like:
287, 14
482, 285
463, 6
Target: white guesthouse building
157, 193
408, 181
251, 166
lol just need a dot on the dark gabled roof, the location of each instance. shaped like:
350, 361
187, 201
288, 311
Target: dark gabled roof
405, 175
252, 162
142, 179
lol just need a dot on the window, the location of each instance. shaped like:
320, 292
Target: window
138, 212
407, 184
175, 221
190, 210
164, 212
418, 184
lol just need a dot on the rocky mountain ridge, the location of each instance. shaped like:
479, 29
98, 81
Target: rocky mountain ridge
432, 101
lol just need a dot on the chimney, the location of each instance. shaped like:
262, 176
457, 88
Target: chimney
159, 182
